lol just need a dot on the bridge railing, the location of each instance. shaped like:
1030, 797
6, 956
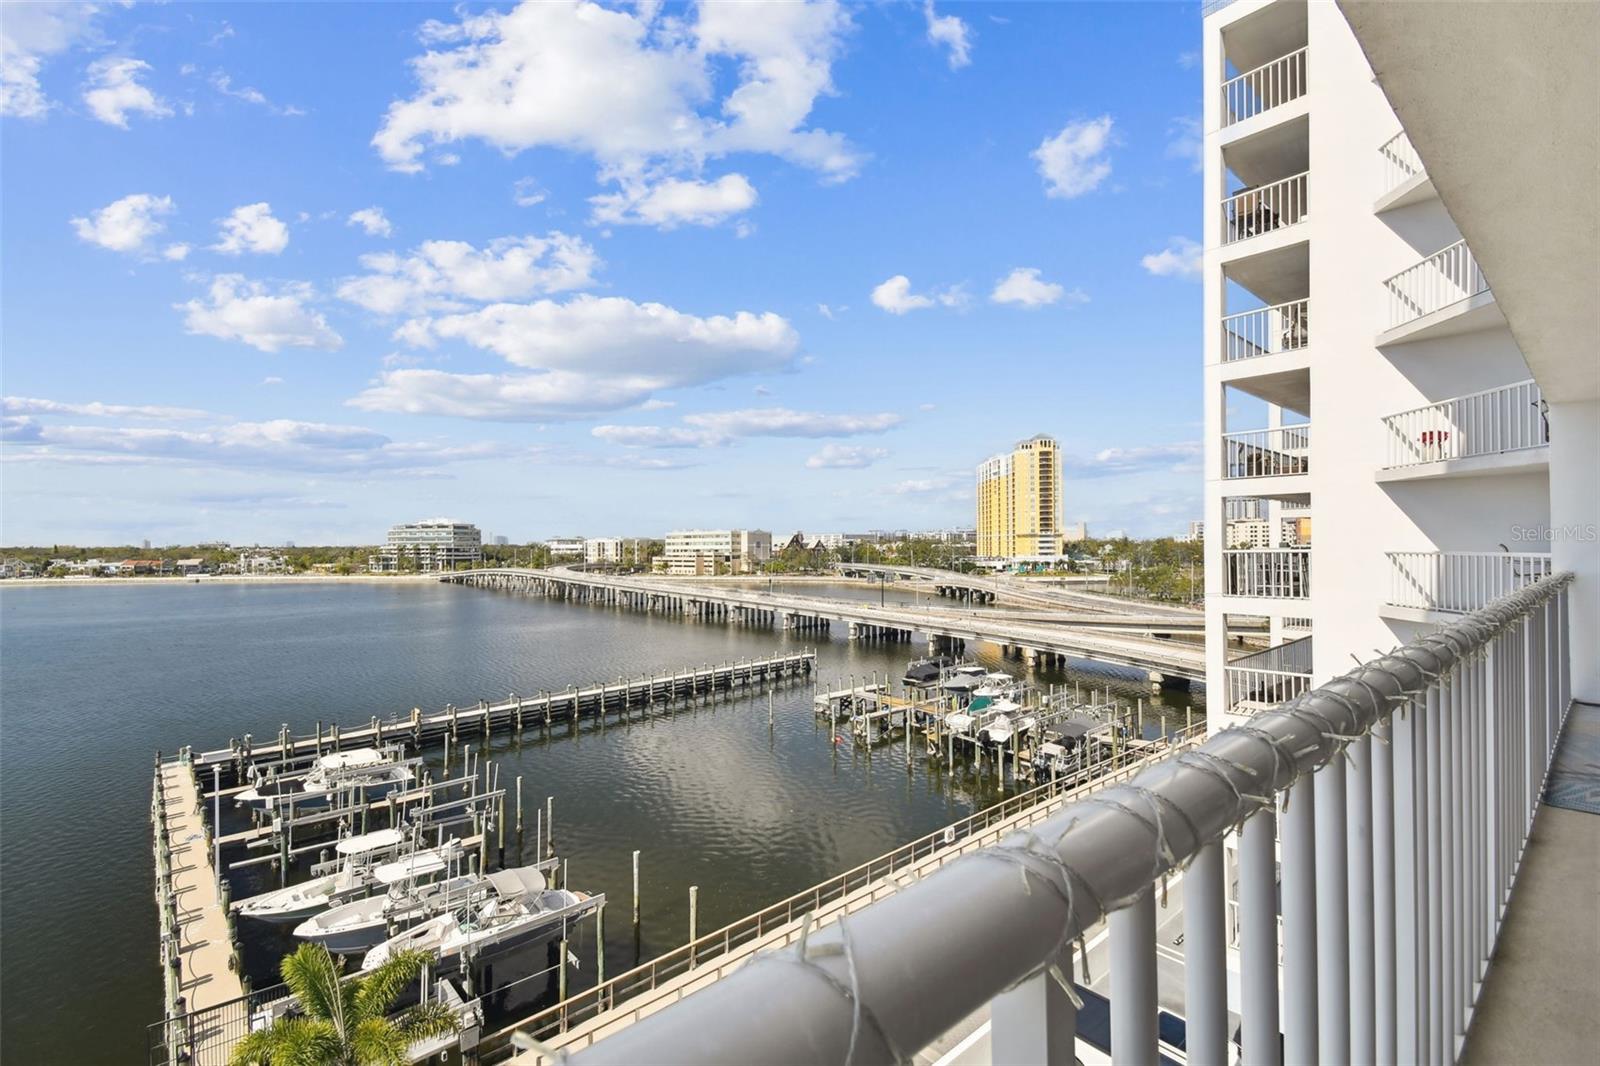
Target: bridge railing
1402, 793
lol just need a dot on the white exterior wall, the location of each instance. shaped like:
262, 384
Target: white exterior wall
602, 550
1356, 518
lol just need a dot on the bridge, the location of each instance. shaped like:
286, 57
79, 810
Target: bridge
1036, 643
987, 588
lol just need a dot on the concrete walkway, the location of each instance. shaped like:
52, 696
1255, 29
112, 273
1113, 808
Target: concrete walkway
1542, 992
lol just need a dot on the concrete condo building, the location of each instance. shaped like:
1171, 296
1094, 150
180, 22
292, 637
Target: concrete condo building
1019, 503
603, 550
696, 552
431, 544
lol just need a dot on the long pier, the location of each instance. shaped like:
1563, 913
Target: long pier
584, 1018
514, 713
1035, 643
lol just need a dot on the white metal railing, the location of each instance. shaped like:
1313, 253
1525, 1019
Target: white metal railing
1264, 88
1257, 690
1461, 581
1266, 331
1383, 815
1275, 452
1506, 419
1400, 162
1280, 573
1447, 276
1251, 212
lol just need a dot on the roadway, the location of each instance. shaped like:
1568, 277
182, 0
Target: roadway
1161, 658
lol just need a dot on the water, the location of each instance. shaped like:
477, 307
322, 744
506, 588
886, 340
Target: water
94, 680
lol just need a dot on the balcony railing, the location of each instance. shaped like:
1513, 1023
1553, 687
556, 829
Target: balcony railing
1264, 88
1402, 794
1461, 581
1251, 212
1279, 573
1400, 162
1266, 331
1444, 278
1276, 675
1267, 452
1490, 422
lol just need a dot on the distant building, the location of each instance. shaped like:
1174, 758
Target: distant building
603, 550
145, 544
1075, 533
1196, 534
501, 541
570, 547
431, 544
189, 567
1019, 502
260, 561
713, 551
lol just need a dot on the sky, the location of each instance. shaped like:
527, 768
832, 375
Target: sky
297, 272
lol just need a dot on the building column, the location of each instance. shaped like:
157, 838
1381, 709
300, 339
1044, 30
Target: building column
1574, 527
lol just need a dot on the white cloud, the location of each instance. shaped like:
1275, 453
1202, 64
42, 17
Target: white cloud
251, 312
221, 82
30, 34
951, 33
271, 380
113, 91
831, 313
1188, 60
176, 252
587, 355
895, 296
1073, 162
645, 97
924, 486
1179, 457
672, 202
28, 405
1025, 288
845, 457
526, 192
126, 225
279, 444
252, 228
439, 275
372, 220
1181, 258
1185, 142
716, 428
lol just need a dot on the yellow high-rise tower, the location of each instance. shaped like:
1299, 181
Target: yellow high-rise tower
1019, 502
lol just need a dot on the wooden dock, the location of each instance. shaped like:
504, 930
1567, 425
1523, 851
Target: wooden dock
515, 713
199, 965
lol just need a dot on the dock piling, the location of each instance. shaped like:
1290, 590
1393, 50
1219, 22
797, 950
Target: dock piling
636, 893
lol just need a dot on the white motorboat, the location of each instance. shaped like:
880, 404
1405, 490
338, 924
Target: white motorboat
958, 721
362, 873
362, 923
355, 874
518, 910
999, 729
376, 773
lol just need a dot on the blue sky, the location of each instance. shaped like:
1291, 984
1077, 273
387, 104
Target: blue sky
301, 271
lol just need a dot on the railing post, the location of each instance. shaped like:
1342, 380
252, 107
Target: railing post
1035, 1022
1333, 914
1297, 817
1359, 888
1258, 940
1133, 983
1205, 958
1384, 891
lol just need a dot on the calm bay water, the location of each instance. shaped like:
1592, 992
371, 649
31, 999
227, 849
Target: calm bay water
93, 680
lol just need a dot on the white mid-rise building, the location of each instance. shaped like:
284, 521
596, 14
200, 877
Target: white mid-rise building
606, 550
1360, 369
431, 544
567, 547
716, 551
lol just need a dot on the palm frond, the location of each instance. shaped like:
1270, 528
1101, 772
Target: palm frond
428, 1019
293, 1041
313, 977
377, 991
379, 1042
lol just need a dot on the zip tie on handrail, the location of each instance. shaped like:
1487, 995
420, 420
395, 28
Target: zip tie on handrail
1207, 763
1018, 855
803, 955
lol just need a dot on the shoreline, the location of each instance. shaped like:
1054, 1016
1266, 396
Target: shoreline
210, 579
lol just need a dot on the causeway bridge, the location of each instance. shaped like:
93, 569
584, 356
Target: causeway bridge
1034, 592
1035, 642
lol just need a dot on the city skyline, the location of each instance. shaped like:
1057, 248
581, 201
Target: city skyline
339, 291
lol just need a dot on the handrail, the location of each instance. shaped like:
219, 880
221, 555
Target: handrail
1277, 452
1277, 205
1460, 581
1446, 277
1410, 890
1400, 162
1266, 331
1263, 88
1489, 422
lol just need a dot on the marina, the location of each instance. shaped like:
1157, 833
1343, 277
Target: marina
597, 837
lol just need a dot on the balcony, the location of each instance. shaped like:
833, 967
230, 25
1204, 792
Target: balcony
1278, 452
1404, 180
1494, 431
1260, 90
1266, 331
1262, 209
1268, 573
1377, 882
1458, 582
1444, 294
1277, 675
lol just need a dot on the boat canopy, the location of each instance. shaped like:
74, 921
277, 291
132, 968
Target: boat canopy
369, 842
349, 760
960, 723
971, 670
961, 683
520, 881
921, 673
1077, 726
1005, 706
422, 864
